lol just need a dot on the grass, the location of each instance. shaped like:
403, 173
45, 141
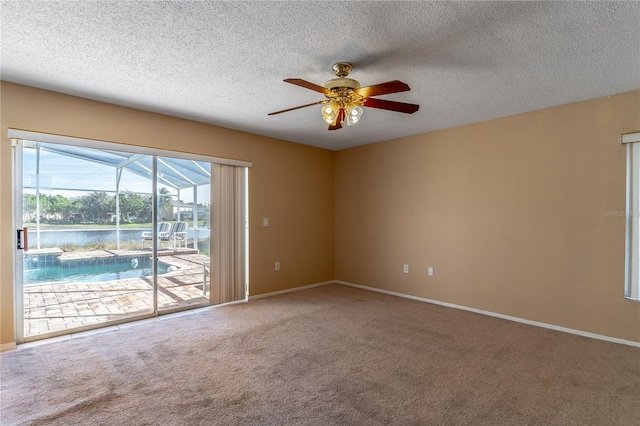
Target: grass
124, 245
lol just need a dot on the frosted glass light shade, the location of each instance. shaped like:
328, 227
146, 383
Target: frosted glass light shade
330, 113
354, 115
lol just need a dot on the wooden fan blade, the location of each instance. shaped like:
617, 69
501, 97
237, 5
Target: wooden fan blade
339, 121
326, 101
306, 84
391, 105
394, 86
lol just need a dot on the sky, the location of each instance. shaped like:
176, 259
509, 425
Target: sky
64, 175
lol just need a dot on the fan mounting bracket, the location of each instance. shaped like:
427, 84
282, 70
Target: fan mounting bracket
342, 69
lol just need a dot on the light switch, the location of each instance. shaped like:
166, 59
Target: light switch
265, 221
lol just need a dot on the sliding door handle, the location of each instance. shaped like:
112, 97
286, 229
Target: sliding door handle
20, 242
23, 244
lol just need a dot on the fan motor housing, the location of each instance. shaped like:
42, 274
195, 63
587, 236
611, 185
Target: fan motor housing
336, 83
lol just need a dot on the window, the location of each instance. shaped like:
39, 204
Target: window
632, 262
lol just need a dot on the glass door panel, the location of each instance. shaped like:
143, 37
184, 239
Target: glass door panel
87, 216
184, 204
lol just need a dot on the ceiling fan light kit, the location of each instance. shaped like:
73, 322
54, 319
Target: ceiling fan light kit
345, 97
352, 114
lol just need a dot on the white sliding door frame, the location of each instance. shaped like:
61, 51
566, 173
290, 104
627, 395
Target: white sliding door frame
632, 217
239, 240
18, 257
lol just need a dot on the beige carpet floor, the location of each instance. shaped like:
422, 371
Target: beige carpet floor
331, 355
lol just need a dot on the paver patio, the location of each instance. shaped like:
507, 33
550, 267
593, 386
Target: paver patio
63, 306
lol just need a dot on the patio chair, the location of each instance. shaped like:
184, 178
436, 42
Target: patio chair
162, 229
206, 273
177, 234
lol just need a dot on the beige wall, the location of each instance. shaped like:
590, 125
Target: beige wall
509, 212
292, 184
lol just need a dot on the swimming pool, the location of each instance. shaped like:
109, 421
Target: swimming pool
128, 268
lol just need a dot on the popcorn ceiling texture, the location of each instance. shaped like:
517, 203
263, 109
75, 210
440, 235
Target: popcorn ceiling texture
223, 62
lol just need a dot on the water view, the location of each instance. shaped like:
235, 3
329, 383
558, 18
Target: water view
76, 237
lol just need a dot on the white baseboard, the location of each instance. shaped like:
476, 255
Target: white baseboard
290, 290
493, 314
8, 346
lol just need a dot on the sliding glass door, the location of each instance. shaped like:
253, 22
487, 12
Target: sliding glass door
184, 206
82, 223
105, 236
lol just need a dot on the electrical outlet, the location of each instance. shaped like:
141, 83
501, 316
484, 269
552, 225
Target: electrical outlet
265, 221
430, 270
277, 266
406, 269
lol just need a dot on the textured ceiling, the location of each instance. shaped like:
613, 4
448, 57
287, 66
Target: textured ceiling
223, 62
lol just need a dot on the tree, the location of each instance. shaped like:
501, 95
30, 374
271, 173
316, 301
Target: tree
135, 207
97, 205
29, 207
165, 204
59, 207
77, 209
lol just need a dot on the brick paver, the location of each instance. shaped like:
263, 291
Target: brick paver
64, 306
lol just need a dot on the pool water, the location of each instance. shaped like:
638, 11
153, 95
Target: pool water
94, 273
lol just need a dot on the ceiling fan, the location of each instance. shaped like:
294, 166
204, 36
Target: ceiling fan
345, 97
